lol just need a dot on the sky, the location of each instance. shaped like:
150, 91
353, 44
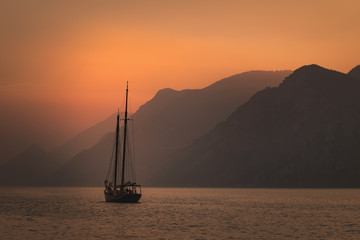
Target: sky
64, 64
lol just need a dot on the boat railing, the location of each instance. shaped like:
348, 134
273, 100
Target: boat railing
131, 188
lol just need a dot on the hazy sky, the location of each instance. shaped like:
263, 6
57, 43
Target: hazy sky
63, 64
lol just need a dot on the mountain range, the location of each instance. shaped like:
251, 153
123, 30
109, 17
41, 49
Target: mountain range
303, 133
255, 129
34, 166
168, 122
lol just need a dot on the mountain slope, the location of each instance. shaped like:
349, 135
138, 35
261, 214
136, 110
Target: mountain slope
84, 140
355, 72
304, 133
92, 162
173, 119
31, 167
34, 166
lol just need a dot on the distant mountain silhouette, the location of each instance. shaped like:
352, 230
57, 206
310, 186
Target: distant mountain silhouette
34, 166
167, 123
304, 133
87, 165
30, 168
84, 140
355, 72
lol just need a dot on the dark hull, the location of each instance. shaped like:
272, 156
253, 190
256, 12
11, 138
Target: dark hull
123, 198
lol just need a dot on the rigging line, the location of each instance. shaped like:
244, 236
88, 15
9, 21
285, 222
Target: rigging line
130, 169
133, 169
133, 152
120, 146
111, 161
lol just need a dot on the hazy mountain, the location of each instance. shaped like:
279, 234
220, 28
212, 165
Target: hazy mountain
304, 133
168, 122
88, 165
355, 72
84, 140
31, 167
34, 166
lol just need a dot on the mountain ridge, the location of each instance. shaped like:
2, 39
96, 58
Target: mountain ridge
172, 119
35, 166
355, 72
293, 135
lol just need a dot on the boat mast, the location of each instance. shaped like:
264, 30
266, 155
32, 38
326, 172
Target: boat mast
125, 127
116, 147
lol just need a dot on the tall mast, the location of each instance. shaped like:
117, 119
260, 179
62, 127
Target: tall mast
125, 127
116, 147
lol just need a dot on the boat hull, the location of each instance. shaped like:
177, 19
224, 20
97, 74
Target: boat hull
123, 198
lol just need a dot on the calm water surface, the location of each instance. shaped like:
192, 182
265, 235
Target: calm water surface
181, 213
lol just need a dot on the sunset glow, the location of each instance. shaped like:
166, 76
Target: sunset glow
64, 64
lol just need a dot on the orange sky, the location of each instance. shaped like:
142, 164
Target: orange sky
66, 62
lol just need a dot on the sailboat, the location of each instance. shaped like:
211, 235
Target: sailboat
127, 191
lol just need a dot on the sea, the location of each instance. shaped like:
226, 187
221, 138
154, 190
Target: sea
180, 213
